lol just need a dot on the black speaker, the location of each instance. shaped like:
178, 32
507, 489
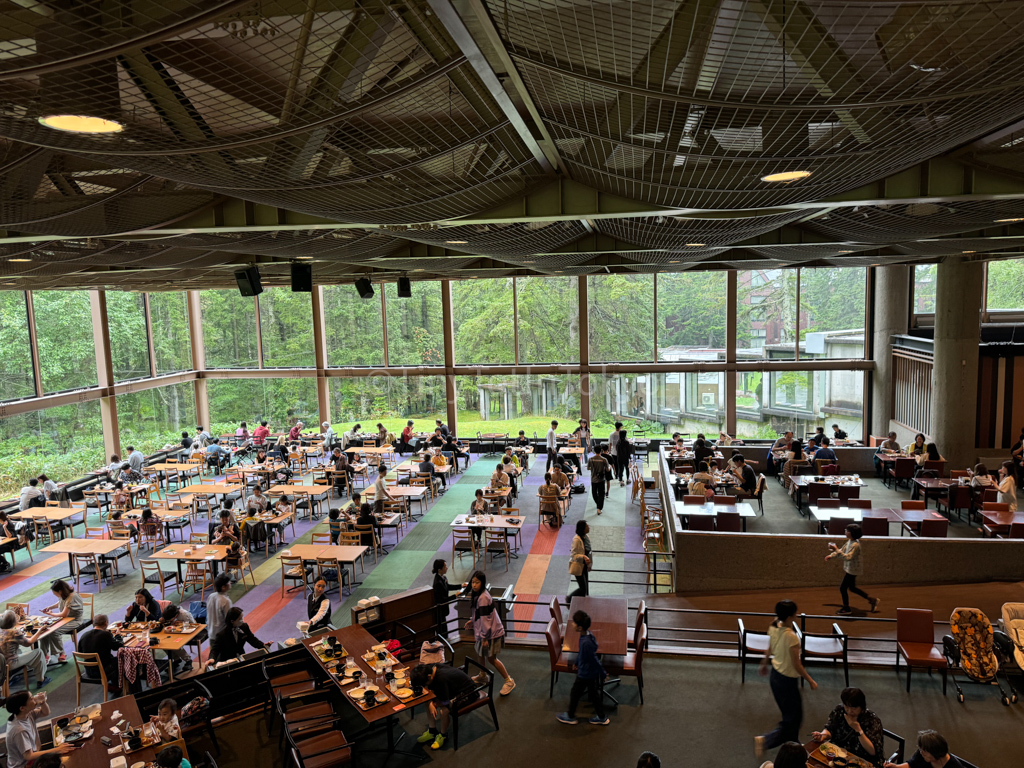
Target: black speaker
365, 288
302, 278
404, 288
249, 282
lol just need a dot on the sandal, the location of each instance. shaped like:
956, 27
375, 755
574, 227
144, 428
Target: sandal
62, 659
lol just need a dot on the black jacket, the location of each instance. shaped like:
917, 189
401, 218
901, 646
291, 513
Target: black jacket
102, 642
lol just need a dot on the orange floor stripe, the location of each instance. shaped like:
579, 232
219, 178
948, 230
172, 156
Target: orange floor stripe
262, 613
531, 577
36, 568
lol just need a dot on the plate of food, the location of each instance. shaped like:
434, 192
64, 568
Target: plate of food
404, 693
831, 751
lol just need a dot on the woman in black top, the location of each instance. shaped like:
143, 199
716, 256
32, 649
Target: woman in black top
318, 607
145, 607
230, 642
623, 455
366, 518
442, 594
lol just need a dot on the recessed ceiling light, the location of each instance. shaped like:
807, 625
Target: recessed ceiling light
304, 258
695, 245
786, 176
456, 242
19, 259
417, 270
80, 124
1006, 221
529, 261
673, 262
968, 251
846, 251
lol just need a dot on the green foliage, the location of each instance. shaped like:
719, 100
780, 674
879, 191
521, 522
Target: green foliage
67, 357
482, 316
129, 347
692, 309
549, 320
172, 345
621, 318
16, 379
1005, 284
229, 329
286, 324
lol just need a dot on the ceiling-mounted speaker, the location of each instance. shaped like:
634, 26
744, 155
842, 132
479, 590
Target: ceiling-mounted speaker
365, 288
404, 288
302, 278
249, 283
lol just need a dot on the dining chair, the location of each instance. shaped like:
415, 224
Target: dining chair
84, 662
153, 574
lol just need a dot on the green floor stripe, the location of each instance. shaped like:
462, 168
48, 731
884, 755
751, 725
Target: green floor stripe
426, 536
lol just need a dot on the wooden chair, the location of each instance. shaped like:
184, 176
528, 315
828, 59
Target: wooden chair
956, 474
126, 536
293, 569
902, 471
915, 643
752, 644
559, 661
700, 523
837, 525
875, 526
859, 503
550, 506
151, 534
84, 662
370, 531
197, 574
330, 570
21, 609
958, 498
245, 564
724, 498
939, 467
638, 624
730, 522
515, 534
320, 538
820, 464
759, 489
829, 504
462, 543
694, 499
1015, 531
555, 609
907, 504
90, 565
847, 493
483, 696
834, 647
630, 665
818, 491
44, 529
932, 529
153, 574
495, 543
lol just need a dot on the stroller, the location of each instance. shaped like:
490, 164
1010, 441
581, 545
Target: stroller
1012, 623
976, 650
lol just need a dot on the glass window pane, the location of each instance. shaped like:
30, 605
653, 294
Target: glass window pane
415, 325
153, 418
129, 345
510, 403
16, 379
286, 324
63, 443
354, 330
832, 301
687, 402
634, 400
924, 288
482, 316
281, 402
67, 355
1005, 284
229, 329
766, 314
172, 345
549, 319
692, 316
621, 318
390, 400
769, 404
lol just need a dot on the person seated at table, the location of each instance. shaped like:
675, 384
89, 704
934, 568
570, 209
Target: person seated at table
450, 686
295, 433
367, 517
31, 496
279, 450
349, 438
1007, 485
747, 479
120, 499
790, 755
980, 477
233, 561
242, 434
825, 452
116, 523
930, 453
438, 460
101, 641
148, 524
259, 435
165, 721
512, 472
341, 464
917, 447
318, 607
7, 531
436, 440
426, 467
217, 455
730, 465
854, 727
186, 440
819, 435
68, 606
795, 459
23, 744
258, 500
837, 433
12, 640
889, 444
499, 479
702, 481
442, 426
478, 506
550, 488
557, 477
261, 457
48, 487
175, 614
227, 532
701, 452
453, 446
129, 476
932, 752
172, 757
522, 441
405, 439
143, 608
230, 641
114, 468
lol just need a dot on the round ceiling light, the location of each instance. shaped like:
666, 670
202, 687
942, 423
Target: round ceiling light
456, 242
20, 260
786, 176
695, 245
81, 124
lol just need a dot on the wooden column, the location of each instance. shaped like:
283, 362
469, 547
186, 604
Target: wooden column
730, 351
195, 329
37, 374
105, 372
323, 395
149, 335
448, 332
584, 326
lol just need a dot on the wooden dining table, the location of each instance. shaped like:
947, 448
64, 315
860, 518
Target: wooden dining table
609, 623
72, 547
215, 553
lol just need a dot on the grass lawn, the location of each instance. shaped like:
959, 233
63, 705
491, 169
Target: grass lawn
470, 423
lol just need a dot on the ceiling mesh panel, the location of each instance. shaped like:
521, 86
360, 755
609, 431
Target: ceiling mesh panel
895, 222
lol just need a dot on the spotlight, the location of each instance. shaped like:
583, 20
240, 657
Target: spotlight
404, 288
365, 288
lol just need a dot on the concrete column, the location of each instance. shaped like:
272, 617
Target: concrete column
892, 308
958, 296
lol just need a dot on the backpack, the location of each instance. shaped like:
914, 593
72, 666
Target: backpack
198, 611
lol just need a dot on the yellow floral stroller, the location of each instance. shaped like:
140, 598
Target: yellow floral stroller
973, 649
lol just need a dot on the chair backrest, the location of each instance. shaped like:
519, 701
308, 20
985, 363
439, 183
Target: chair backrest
321, 538
994, 506
1016, 531
762, 485
907, 504
724, 499
956, 474
702, 523
362, 529
817, 491
728, 521
847, 492
959, 496
85, 661
349, 539
937, 466
554, 641
87, 598
859, 503
837, 525
199, 538
690, 499
641, 621
915, 625
641, 648
875, 526
989, 494
94, 533
904, 468
555, 609
820, 464
934, 529
829, 504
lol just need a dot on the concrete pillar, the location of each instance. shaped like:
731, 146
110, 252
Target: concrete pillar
958, 297
892, 308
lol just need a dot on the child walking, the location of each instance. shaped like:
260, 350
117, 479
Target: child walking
589, 674
852, 567
488, 632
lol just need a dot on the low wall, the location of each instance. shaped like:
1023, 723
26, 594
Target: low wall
726, 562
851, 460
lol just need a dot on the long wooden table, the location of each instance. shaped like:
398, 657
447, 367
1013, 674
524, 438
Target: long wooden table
166, 641
72, 547
801, 482
93, 753
609, 623
215, 553
710, 509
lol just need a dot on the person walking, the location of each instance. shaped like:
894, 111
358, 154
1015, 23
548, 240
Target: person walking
786, 670
488, 632
613, 454
852, 567
552, 445
589, 674
443, 595
599, 471
580, 559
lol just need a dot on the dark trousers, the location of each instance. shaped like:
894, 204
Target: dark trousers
619, 462
593, 691
582, 585
597, 489
786, 691
552, 453
850, 585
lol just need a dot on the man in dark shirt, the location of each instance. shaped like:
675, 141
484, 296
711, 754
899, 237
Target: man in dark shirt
443, 427
451, 446
186, 441
819, 435
825, 452
101, 641
837, 433
746, 476
932, 752
427, 467
447, 684
437, 439
701, 452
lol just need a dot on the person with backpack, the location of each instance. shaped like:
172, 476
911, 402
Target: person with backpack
599, 471
703, 482
488, 631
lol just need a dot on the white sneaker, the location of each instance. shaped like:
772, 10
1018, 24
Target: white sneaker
599, 511
508, 687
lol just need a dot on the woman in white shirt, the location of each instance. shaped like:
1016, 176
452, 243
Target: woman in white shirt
1008, 485
786, 670
980, 477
